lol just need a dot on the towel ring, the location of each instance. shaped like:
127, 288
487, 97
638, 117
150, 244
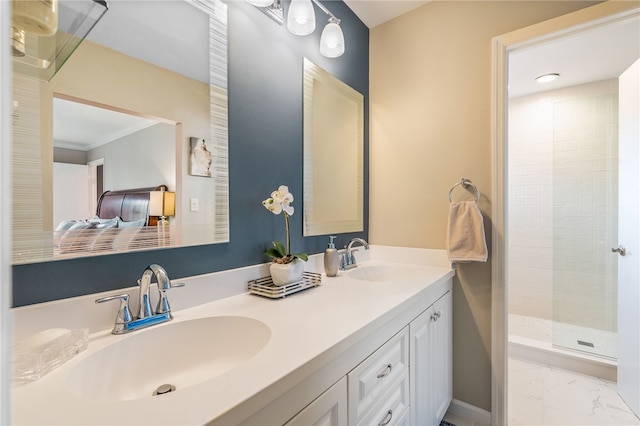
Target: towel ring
465, 183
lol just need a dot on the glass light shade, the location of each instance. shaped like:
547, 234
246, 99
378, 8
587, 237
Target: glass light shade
332, 41
35, 17
162, 203
261, 3
69, 21
301, 19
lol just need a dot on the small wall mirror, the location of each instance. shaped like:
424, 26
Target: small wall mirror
333, 154
144, 64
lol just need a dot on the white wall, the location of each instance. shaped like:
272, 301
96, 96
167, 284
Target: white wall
142, 159
562, 199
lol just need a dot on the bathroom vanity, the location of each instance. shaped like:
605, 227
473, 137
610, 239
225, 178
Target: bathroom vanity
371, 346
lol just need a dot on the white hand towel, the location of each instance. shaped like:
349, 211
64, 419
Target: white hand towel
465, 233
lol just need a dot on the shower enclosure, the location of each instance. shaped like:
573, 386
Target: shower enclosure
562, 197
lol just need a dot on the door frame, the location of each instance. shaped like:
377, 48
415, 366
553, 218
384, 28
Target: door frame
93, 183
570, 24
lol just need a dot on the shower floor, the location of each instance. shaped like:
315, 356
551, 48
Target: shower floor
604, 342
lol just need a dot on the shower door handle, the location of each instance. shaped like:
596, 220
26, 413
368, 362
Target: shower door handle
620, 250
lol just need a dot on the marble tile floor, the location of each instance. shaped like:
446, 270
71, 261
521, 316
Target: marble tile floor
544, 395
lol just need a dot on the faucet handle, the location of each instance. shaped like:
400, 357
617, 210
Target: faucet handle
163, 303
342, 253
145, 301
351, 254
123, 316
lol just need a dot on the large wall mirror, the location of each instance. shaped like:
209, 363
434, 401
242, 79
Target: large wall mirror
121, 115
333, 154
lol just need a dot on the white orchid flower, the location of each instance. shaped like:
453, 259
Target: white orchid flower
273, 206
280, 201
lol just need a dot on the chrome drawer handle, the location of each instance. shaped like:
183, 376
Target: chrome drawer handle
387, 419
385, 372
436, 316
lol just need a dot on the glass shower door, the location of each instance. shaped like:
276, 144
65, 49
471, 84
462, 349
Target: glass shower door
585, 219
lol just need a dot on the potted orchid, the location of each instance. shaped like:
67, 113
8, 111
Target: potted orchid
286, 267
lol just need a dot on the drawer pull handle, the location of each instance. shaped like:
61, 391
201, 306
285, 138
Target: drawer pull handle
387, 419
385, 372
436, 316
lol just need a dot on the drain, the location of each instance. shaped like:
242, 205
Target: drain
162, 389
583, 343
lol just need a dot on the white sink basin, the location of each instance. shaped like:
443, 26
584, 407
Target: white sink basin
181, 354
383, 273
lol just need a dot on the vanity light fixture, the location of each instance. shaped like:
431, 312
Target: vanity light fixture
546, 78
332, 39
301, 20
261, 3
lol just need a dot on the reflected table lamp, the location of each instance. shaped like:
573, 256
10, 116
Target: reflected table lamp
162, 204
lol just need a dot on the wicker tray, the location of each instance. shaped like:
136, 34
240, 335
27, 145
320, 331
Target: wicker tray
265, 287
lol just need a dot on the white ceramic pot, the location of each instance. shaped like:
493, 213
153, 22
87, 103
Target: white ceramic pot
287, 273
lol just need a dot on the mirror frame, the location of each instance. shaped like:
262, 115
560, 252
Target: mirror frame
32, 240
323, 188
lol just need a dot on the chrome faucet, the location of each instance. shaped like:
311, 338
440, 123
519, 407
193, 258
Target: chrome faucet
164, 284
348, 259
146, 317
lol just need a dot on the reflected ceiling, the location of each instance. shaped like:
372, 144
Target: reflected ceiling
175, 25
85, 127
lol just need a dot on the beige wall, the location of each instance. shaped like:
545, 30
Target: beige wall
430, 126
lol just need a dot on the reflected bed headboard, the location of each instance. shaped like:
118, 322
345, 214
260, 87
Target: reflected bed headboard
128, 204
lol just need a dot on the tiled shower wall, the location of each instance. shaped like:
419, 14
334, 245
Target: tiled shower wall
562, 182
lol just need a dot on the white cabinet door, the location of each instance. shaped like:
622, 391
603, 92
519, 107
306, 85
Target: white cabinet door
329, 409
430, 363
442, 361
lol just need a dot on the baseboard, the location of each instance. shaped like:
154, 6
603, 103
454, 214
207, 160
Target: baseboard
567, 360
476, 415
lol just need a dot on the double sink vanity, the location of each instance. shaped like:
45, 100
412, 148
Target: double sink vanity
370, 346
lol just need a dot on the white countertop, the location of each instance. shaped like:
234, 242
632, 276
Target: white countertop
308, 329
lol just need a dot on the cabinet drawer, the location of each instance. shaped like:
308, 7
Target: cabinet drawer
329, 409
393, 408
373, 377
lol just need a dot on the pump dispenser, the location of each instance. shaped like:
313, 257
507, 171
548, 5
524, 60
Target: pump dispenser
331, 258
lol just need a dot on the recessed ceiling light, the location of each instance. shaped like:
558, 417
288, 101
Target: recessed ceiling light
547, 77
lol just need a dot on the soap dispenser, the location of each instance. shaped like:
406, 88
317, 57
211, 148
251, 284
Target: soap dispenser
331, 258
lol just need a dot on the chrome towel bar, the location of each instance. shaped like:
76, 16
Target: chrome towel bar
465, 184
